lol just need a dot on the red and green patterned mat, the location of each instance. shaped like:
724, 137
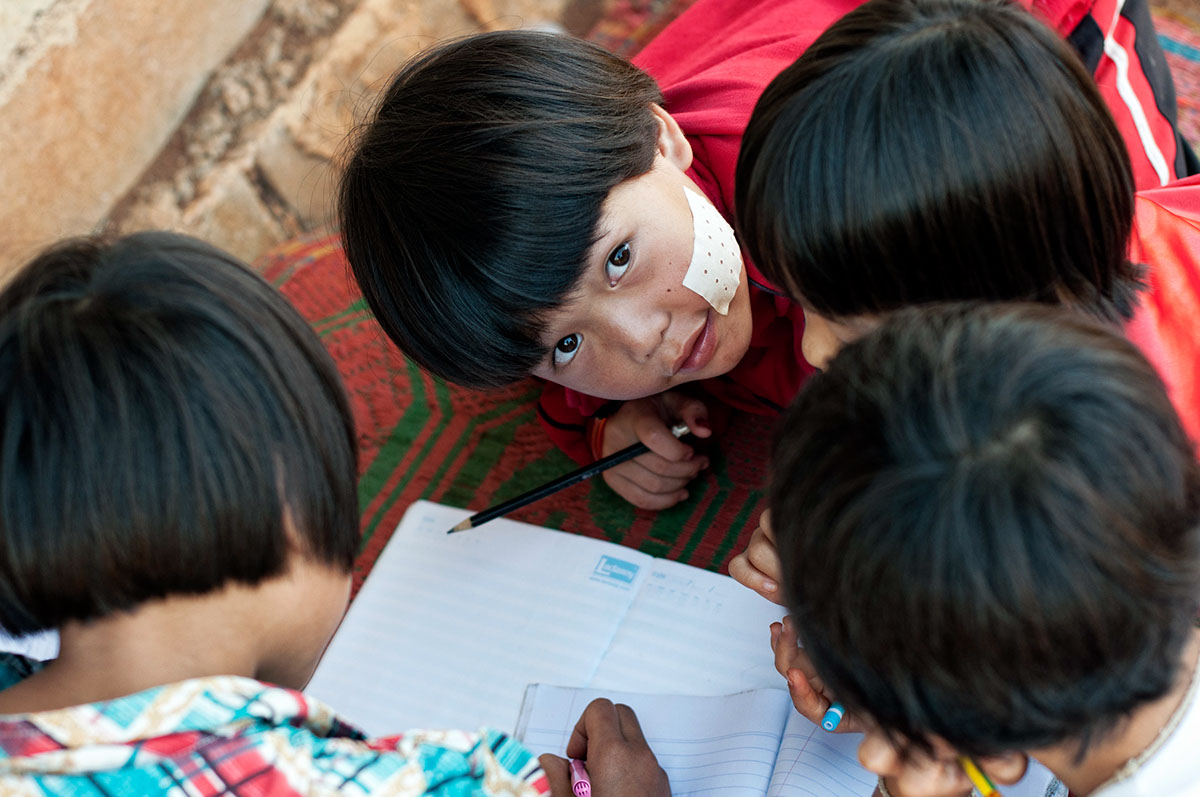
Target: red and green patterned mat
422, 438
1178, 26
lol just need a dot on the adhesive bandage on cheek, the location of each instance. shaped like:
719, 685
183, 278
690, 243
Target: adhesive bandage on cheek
716, 267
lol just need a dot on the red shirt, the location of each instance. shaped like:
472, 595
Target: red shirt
1166, 237
714, 61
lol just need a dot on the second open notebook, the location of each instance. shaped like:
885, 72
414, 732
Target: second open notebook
747, 744
741, 745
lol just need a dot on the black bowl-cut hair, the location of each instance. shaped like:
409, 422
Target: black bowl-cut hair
938, 150
989, 525
163, 409
471, 196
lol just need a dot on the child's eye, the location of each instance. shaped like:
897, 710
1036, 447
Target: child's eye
564, 350
617, 263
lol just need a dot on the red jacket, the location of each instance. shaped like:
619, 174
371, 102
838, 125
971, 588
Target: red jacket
1166, 237
712, 64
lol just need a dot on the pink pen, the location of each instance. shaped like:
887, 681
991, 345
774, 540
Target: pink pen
579, 779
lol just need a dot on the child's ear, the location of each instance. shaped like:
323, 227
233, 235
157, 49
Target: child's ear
672, 143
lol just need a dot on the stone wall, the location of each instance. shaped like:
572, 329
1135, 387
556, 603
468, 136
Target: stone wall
90, 91
218, 117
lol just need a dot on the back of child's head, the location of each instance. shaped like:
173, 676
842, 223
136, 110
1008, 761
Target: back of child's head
163, 408
989, 522
938, 150
472, 195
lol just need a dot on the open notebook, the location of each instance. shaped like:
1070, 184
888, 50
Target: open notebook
448, 631
747, 744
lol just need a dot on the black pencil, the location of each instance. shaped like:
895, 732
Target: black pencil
549, 488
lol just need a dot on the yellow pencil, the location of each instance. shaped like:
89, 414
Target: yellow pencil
981, 782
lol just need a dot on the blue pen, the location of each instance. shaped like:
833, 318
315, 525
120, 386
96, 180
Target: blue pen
833, 716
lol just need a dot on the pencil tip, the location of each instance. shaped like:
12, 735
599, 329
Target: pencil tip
466, 524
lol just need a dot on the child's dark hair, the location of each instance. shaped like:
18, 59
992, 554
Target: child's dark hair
989, 520
163, 407
938, 150
471, 197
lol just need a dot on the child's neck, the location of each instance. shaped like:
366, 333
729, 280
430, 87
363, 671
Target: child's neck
1134, 737
161, 642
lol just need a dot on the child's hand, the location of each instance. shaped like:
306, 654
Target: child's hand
911, 774
758, 566
915, 773
609, 739
808, 692
655, 480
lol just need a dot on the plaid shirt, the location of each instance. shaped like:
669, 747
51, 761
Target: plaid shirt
228, 735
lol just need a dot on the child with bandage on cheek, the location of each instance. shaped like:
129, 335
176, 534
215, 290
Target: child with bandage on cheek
529, 204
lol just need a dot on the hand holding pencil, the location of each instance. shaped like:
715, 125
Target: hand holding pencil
607, 751
644, 459
806, 687
659, 478
562, 482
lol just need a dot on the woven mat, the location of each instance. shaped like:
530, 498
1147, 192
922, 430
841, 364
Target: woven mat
422, 438
1178, 26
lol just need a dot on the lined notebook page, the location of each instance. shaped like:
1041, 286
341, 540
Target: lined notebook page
813, 762
690, 631
449, 628
710, 746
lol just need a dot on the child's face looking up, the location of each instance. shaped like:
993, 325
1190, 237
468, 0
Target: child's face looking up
632, 329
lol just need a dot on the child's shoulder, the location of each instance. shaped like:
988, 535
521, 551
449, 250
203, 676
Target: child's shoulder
742, 40
1166, 238
713, 62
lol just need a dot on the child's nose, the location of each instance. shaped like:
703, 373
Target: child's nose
641, 333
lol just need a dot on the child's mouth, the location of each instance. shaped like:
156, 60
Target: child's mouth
703, 349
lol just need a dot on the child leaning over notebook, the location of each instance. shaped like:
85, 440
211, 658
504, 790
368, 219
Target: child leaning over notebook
970, 157
521, 203
989, 520
177, 496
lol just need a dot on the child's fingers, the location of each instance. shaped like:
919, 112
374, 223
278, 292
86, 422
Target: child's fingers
687, 469
808, 701
652, 482
631, 729
691, 411
788, 633
762, 555
556, 772
906, 775
764, 525
743, 571
758, 566
639, 496
811, 701
648, 481
788, 654
944, 780
599, 723
654, 432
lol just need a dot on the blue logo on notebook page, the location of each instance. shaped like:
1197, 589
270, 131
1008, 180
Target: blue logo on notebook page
615, 571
